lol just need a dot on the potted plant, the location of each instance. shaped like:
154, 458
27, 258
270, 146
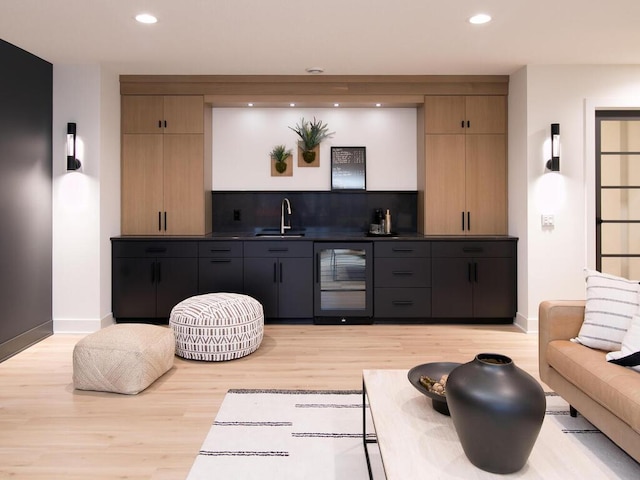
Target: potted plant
311, 133
279, 156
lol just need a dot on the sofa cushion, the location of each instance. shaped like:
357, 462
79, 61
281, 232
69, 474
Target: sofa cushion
629, 354
614, 387
610, 305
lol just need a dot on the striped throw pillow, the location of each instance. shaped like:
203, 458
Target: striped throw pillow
610, 305
629, 354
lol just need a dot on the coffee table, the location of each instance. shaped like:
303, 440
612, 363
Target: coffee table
417, 442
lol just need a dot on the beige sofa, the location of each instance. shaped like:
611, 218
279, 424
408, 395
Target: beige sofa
605, 394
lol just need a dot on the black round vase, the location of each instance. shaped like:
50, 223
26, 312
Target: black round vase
497, 410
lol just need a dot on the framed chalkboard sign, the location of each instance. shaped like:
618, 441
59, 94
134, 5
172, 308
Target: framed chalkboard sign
348, 168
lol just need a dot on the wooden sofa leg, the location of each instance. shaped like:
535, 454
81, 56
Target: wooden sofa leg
573, 412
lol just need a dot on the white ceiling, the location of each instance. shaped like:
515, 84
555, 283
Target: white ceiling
345, 37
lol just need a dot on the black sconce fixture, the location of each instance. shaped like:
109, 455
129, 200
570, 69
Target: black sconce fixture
554, 164
72, 162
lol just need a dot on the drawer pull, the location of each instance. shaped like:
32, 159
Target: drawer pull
221, 260
402, 250
155, 250
402, 272
402, 302
219, 250
281, 249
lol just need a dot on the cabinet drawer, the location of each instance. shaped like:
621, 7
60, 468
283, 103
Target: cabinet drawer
474, 249
278, 249
402, 249
402, 302
220, 275
219, 249
402, 272
154, 249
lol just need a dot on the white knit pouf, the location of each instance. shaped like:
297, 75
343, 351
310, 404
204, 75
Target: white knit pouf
217, 326
123, 358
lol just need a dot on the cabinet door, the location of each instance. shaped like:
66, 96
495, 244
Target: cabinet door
134, 288
486, 114
142, 113
220, 275
486, 184
260, 282
141, 184
176, 279
494, 288
444, 114
295, 288
183, 114
451, 288
183, 181
444, 184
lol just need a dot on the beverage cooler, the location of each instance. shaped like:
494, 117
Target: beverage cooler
343, 291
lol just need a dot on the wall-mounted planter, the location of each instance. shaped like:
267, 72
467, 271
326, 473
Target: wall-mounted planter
307, 160
282, 169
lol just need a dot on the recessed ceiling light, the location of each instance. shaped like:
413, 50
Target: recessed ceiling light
378, 104
336, 104
292, 104
314, 70
146, 18
249, 104
480, 18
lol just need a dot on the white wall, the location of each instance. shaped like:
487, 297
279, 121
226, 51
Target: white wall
85, 202
553, 259
243, 138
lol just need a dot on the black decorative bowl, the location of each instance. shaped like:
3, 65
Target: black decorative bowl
433, 371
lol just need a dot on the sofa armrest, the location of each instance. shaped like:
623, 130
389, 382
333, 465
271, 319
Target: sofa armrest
557, 320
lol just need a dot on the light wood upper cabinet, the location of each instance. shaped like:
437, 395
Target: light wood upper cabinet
465, 166
465, 114
166, 179
162, 114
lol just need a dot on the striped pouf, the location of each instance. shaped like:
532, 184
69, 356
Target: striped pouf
217, 326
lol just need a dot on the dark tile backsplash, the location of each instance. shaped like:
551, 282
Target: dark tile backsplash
338, 211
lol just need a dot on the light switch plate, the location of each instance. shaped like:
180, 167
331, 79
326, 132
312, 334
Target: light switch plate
548, 221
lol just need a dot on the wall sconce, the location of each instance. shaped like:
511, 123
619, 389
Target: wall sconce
554, 164
72, 162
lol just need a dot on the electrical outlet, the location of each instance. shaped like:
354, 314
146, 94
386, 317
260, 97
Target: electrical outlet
548, 221
236, 215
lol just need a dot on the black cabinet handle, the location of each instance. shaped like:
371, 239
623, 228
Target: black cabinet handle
165, 221
217, 250
469, 221
165, 124
281, 249
468, 124
159, 221
402, 302
402, 250
462, 124
402, 272
159, 123
221, 260
155, 250
462, 221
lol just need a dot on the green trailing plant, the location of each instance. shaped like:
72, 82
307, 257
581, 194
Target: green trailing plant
279, 154
311, 133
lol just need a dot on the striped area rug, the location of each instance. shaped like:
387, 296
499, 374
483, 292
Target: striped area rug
317, 435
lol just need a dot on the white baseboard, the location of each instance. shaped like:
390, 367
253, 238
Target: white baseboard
76, 325
527, 325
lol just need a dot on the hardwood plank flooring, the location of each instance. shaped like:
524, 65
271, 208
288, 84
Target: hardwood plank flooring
48, 430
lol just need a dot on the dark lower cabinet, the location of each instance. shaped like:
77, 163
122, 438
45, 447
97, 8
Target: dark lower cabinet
220, 267
149, 278
474, 280
280, 276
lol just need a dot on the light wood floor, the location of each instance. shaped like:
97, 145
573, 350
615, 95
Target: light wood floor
49, 431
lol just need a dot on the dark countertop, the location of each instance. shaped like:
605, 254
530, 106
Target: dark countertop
314, 234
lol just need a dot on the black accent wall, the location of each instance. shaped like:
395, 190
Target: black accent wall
235, 211
26, 99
